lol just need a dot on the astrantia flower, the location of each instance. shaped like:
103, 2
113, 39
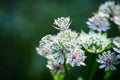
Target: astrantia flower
62, 23
94, 42
116, 42
111, 10
98, 23
46, 52
76, 58
66, 41
47, 40
58, 68
107, 60
44, 46
57, 48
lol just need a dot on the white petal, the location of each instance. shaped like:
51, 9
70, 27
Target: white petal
102, 66
100, 56
107, 68
82, 63
117, 50
117, 20
118, 56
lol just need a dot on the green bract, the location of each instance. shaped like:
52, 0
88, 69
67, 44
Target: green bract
94, 42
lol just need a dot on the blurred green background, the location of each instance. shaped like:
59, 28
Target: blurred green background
24, 22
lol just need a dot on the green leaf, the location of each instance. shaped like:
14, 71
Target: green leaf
58, 76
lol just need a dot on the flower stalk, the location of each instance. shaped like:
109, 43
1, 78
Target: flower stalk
107, 75
65, 68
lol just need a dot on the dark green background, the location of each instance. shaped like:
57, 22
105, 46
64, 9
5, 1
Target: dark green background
24, 22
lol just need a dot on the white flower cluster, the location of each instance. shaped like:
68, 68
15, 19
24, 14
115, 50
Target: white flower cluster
111, 10
57, 68
76, 58
63, 48
107, 11
107, 60
98, 23
62, 23
94, 42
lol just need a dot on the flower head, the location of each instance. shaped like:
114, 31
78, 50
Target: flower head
47, 40
46, 52
76, 58
44, 46
66, 41
55, 68
59, 48
107, 60
111, 10
98, 23
62, 23
94, 42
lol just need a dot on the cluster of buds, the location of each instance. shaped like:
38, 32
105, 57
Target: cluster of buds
94, 42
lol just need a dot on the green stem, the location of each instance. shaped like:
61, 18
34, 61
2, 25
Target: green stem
58, 77
65, 67
93, 70
62, 75
100, 32
107, 75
